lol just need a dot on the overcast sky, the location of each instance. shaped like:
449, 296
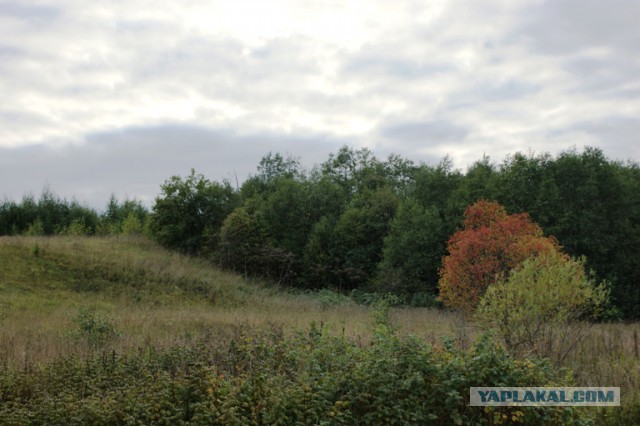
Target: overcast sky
116, 96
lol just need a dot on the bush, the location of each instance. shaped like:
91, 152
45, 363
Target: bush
35, 229
543, 306
423, 299
132, 225
95, 330
76, 227
329, 298
270, 378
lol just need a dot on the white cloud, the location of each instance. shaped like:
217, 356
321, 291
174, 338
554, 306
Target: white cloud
469, 77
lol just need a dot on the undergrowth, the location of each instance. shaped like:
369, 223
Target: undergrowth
266, 378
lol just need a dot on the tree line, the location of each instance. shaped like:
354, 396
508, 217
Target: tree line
50, 215
360, 225
357, 223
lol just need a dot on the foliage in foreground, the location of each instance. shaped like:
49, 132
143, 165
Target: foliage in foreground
543, 306
312, 378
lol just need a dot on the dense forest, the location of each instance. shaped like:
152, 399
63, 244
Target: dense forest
361, 225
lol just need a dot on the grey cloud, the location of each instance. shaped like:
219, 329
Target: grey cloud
566, 26
598, 43
608, 76
498, 67
226, 69
506, 90
620, 135
422, 141
386, 64
10, 52
134, 162
424, 132
31, 13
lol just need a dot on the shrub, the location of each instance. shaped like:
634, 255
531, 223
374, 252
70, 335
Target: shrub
132, 225
543, 306
76, 227
36, 228
329, 298
95, 330
270, 378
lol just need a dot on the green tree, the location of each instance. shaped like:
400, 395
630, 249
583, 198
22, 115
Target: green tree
412, 251
240, 240
245, 247
116, 214
189, 213
359, 234
321, 260
596, 217
355, 170
480, 182
525, 184
440, 187
271, 169
132, 225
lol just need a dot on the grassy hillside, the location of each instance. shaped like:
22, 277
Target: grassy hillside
154, 297
103, 326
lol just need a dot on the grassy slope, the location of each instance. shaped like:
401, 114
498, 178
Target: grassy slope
154, 298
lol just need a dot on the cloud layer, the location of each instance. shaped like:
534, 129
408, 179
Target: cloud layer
116, 97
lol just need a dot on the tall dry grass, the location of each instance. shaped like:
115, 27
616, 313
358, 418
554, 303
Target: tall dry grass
156, 298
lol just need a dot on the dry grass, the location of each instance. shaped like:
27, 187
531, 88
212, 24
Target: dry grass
156, 298
166, 299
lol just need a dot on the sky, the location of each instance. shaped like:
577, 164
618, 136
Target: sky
115, 97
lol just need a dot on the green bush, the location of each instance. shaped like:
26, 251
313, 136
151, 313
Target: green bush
269, 378
36, 228
329, 298
76, 227
94, 329
543, 306
132, 225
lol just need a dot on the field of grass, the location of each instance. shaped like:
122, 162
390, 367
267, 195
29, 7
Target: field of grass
156, 298
63, 297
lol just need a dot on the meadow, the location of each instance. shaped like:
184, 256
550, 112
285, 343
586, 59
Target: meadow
71, 300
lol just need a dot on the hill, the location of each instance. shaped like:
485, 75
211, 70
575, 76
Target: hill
153, 297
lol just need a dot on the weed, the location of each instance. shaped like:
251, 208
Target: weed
329, 298
95, 330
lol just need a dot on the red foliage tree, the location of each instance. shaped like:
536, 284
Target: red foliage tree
491, 243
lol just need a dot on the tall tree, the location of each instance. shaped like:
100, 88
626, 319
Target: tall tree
412, 251
191, 210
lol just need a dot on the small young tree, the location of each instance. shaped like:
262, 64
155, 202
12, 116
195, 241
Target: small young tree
490, 245
543, 305
132, 225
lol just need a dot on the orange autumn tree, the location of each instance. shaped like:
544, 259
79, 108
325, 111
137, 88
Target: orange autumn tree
491, 243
